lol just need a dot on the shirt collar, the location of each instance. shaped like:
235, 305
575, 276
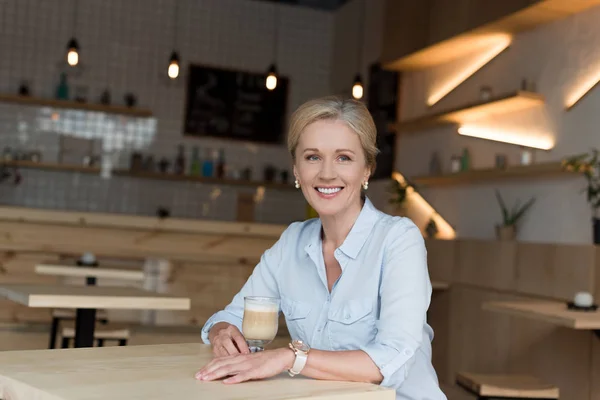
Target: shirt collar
358, 234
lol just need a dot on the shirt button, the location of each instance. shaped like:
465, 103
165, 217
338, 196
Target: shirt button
347, 316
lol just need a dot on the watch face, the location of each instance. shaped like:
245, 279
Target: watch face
300, 345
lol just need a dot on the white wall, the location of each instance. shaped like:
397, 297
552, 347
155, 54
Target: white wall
125, 46
345, 57
557, 57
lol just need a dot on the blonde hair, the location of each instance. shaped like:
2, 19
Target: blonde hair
354, 113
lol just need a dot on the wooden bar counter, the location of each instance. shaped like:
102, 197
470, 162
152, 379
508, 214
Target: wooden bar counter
129, 236
152, 372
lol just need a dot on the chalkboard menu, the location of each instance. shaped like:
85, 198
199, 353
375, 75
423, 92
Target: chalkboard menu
234, 104
383, 105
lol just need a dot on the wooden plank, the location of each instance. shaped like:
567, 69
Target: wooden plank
118, 242
488, 264
506, 103
555, 271
57, 296
110, 273
441, 259
153, 372
488, 175
555, 354
479, 340
121, 221
594, 372
548, 311
509, 386
75, 105
440, 285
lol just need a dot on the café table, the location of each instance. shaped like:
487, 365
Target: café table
553, 312
87, 299
86, 272
153, 372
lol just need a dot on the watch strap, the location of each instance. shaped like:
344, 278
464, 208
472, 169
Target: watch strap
299, 362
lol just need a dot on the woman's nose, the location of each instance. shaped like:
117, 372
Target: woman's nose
327, 171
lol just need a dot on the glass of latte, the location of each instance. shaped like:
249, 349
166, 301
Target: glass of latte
261, 321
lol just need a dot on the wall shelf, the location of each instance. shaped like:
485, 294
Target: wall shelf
534, 171
514, 101
75, 105
542, 12
46, 166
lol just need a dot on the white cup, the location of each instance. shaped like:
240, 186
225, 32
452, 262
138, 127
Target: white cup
583, 299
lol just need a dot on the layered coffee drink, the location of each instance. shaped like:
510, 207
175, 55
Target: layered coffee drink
261, 321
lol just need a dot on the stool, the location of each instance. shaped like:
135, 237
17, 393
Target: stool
59, 314
121, 335
497, 386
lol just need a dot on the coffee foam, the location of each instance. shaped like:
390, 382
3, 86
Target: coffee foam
261, 307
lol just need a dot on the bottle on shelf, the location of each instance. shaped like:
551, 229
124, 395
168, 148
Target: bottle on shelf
220, 173
195, 164
180, 161
62, 90
465, 160
207, 165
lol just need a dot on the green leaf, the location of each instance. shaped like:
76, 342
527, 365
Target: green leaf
502, 207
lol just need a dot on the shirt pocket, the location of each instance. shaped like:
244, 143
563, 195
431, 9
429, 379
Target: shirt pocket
352, 324
296, 314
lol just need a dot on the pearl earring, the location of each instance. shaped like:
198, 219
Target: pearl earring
366, 185
297, 184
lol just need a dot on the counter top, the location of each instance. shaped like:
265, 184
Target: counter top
152, 372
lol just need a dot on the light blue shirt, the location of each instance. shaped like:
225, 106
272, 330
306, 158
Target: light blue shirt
378, 305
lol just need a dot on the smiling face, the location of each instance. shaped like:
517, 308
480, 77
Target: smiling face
331, 167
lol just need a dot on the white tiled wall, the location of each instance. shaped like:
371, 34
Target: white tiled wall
125, 45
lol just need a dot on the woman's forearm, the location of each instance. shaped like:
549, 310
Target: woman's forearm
353, 365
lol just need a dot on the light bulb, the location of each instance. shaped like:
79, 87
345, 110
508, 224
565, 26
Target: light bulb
271, 81
173, 70
357, 91
72, 57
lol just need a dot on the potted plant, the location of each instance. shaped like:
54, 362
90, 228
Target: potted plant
399, 192
431, 229
510, 217
589, 165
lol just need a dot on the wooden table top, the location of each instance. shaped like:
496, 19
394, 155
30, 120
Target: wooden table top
68, 296
76, 271
440, 285
549, 311
152, 372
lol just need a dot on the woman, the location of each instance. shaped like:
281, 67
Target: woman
353, 283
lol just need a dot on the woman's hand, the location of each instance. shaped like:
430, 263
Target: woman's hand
227, 340
241, 368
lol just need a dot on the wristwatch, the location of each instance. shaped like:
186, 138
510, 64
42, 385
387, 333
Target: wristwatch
301, 350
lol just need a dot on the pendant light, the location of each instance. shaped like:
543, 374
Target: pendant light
73, 45
271, 81
357, 87
173, 69
73, 52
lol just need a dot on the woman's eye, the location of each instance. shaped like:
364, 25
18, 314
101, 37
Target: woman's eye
312, 157
344, 158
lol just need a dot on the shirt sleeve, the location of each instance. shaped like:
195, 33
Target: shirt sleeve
405, 293
262, 282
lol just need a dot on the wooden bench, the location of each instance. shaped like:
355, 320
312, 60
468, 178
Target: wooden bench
119, 334
492, 386
59, 314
